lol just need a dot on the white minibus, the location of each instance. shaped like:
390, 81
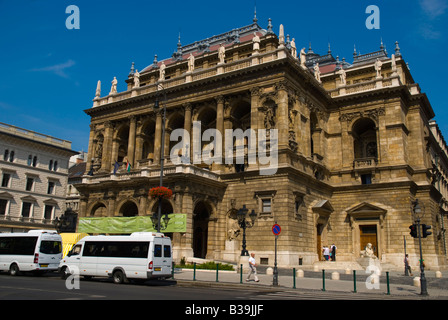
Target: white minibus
35, 250
141, 255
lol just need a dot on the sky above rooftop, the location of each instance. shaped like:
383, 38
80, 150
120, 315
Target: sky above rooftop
49, 72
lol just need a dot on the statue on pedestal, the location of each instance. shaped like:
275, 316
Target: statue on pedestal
113, 89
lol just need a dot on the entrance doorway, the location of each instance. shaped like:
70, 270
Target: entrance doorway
368, 234
201, 217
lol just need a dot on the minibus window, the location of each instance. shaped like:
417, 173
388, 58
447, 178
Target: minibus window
158, 251
51, 247
167, 251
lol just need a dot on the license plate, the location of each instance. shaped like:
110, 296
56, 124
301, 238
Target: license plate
44, 265
157, 269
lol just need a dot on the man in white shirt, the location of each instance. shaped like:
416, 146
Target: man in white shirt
252, 268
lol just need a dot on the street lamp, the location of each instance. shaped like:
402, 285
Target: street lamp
243, 223
419, 211
155, 219
162, 158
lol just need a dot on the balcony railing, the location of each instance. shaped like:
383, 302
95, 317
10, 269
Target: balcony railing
363, 163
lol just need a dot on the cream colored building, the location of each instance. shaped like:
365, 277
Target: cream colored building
353, 151
34, 169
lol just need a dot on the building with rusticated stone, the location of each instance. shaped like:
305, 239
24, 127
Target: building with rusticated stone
355, 148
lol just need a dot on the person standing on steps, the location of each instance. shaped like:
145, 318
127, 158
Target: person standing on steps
333, 252
252, 268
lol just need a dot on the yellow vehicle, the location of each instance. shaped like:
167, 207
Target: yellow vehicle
69, 240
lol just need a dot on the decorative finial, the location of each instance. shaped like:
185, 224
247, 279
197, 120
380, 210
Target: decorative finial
397, 49
354, 51
329, 49
132, 69
270, 26
381, 46
255, 13
154, 63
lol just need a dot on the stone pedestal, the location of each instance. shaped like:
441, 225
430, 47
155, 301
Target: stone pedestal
231, 252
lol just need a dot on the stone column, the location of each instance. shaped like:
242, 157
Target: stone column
91, 150
187, 126
107, 147
254, 113
220, 121
158, 137
282, 122
131, 140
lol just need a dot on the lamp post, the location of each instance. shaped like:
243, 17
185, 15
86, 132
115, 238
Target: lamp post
419, 211
162, 158
243, 223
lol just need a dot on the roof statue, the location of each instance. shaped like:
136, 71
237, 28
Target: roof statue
113, 88
136, 79
293, 48
222, 53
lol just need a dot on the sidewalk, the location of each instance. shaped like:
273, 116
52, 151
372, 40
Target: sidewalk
399, 285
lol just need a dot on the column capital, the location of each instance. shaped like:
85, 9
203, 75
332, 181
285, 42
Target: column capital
220, 99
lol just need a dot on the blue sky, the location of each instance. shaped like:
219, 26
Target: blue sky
48, 73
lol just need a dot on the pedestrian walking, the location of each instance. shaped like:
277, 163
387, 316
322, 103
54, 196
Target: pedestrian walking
406, 264
333, 252
252, 268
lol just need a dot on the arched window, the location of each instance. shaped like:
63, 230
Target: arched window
364, 139
6, 155
35, 161
50, 165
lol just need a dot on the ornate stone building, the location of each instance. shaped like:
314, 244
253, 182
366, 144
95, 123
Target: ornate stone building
355, 147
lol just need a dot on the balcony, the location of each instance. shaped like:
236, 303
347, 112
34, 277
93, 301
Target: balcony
365, 163
170, 170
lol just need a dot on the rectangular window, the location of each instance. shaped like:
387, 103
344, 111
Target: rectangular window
167, 251
29, 184
3, 207
117, 249
51, 247
48, 213
50, 189
18, 245
158, 250
26, 209
265, 205
5, 180
366, 179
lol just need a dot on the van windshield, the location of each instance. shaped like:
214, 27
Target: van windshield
51, 247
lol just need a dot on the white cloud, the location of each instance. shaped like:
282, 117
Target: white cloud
433, 8
58, 69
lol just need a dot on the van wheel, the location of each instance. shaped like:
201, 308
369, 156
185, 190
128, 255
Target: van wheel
64, 273
14, 270
118, 277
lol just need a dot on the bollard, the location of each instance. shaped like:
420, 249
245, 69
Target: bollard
323, 279
172, 270
387, 281
294, 277
217, 268
194, 271
354, 281
241, 273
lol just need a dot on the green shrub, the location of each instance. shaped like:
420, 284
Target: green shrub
206, 266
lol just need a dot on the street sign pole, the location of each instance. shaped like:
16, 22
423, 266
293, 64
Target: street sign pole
275, 279
276, 230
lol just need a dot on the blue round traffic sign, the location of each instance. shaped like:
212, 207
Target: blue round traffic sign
276, 229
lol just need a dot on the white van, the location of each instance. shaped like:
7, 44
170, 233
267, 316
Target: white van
141, 255
35, 250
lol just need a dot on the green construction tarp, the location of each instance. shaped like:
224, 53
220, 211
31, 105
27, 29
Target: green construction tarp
123, 225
